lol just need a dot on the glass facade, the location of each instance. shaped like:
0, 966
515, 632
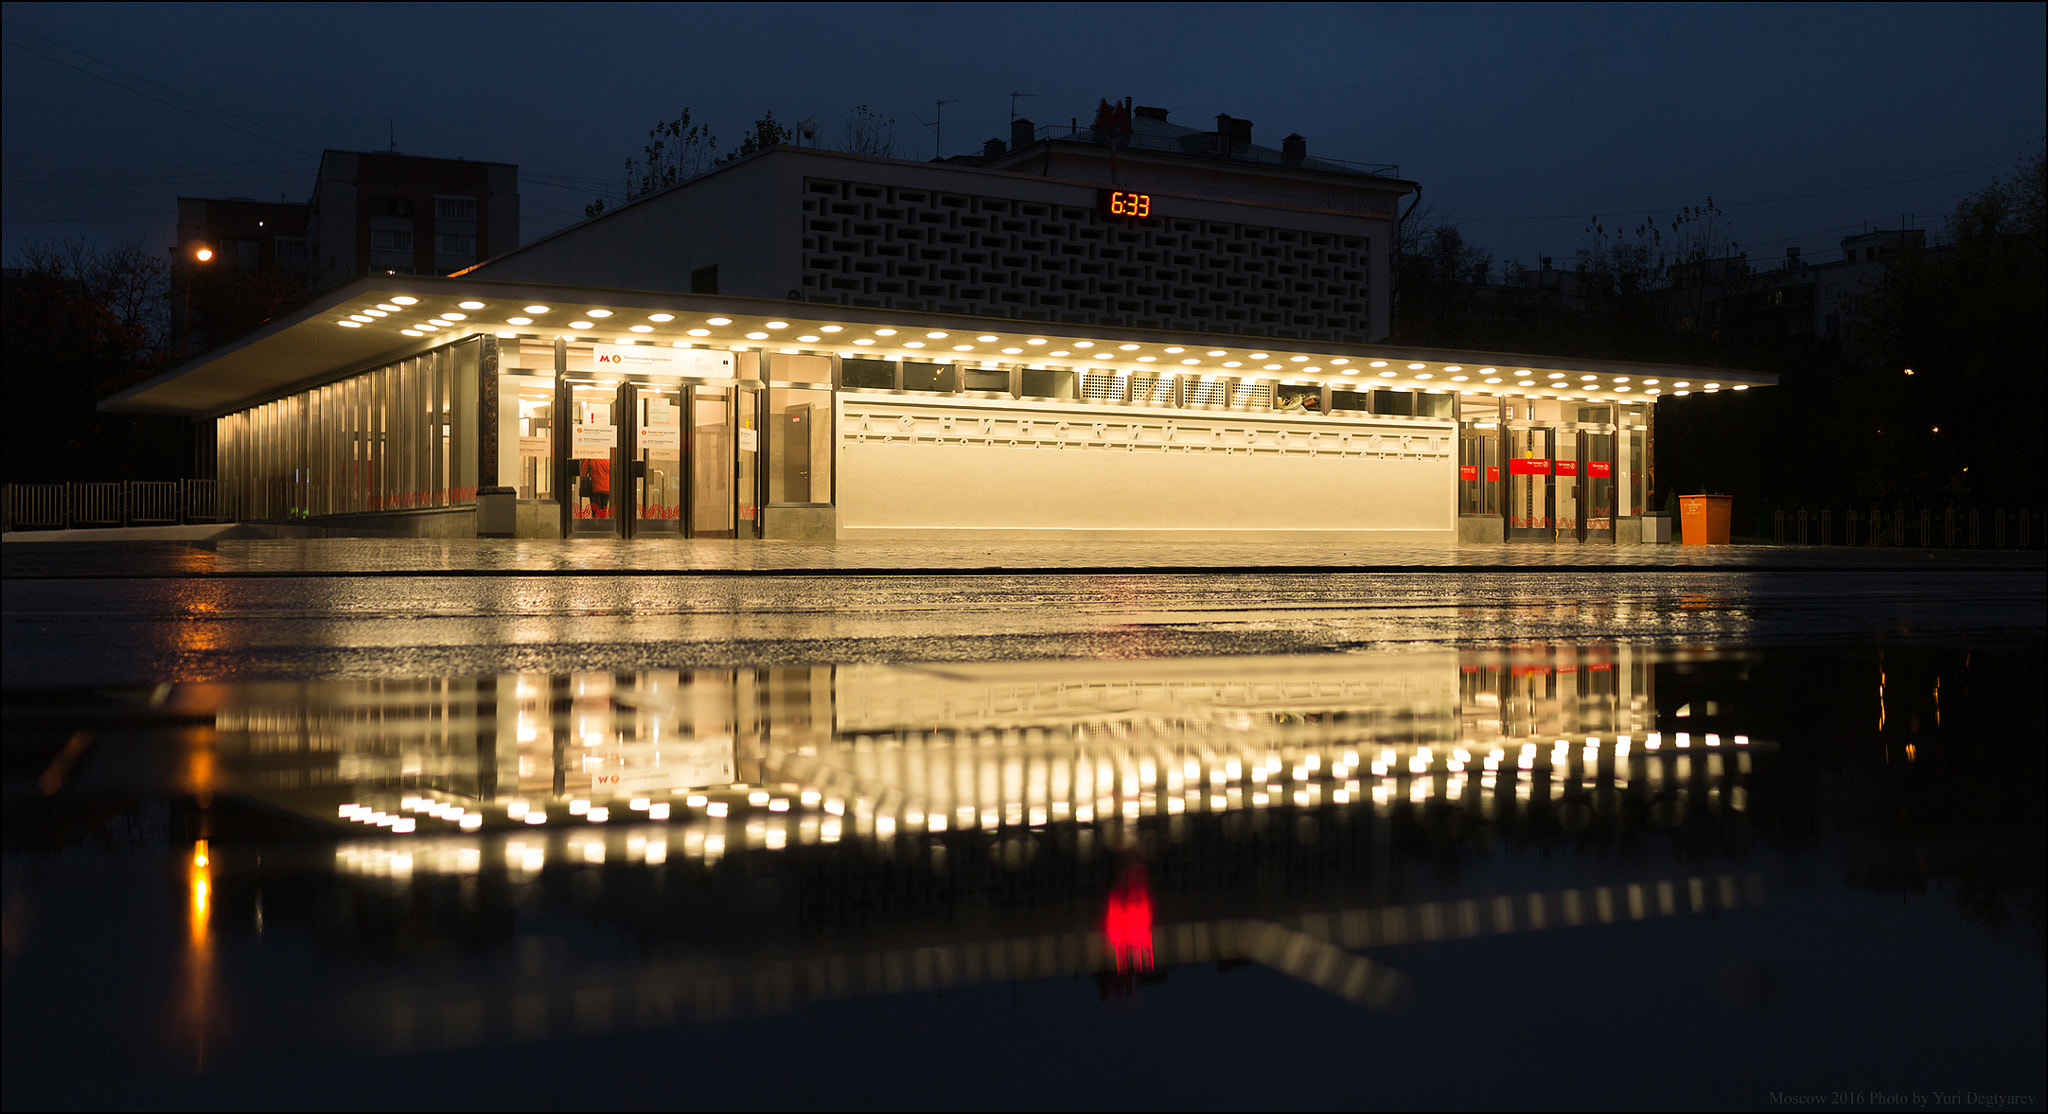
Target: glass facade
686, 454
397, 438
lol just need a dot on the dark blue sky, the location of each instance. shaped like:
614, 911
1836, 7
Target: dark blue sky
1521, 122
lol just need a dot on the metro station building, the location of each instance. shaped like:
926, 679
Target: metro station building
1167, 336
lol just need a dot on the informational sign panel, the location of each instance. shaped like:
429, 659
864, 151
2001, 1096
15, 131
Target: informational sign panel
660, 439
1600, 469
749, 441
533, 446
593, 442
700, 362
1468, 472
1530, 467
1568, 468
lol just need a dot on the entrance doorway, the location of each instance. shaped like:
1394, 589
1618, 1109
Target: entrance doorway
1560, 483
1531, 515
651, 457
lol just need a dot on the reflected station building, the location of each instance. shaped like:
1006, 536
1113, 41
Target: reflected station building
877, 796
1088, 333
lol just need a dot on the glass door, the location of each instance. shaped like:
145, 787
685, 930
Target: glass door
593, 460
1564, 485
710, 508
1529, 510
1479, 472
658, 471
1596, 487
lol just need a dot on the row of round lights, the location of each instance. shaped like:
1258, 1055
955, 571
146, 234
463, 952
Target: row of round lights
1262, 777
1040, 346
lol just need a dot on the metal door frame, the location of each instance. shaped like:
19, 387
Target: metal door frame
692, 448
1586, 432
1510, 531
749, 484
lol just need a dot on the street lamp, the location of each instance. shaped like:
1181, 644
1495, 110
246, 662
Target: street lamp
204, 254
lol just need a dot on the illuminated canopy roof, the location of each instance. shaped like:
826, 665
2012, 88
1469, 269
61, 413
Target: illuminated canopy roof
383, 318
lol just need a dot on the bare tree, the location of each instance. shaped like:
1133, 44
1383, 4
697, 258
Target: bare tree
78, 324
870, 133
676, 151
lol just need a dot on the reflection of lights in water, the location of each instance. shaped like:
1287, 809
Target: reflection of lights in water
909, 753
196, 1005
1128, 923
202, 889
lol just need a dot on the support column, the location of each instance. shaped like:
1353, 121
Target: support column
487, 414
565, 428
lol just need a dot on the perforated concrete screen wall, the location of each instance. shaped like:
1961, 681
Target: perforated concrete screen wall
892, 247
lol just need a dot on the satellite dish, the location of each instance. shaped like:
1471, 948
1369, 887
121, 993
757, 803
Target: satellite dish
809, 127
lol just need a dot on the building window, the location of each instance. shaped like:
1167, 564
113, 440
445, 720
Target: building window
1050, 383
248, 253
386, 239
446, 243
704, 280
867, 375
291, 249
390, 207
454, 208
918, 376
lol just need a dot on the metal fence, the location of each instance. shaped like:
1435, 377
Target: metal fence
1921, 527
81, 506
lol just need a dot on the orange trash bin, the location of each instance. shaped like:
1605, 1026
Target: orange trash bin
1703, 519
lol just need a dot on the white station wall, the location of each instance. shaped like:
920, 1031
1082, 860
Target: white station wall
913, 466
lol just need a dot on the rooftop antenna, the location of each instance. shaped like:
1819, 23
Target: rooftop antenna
391, 144
938, 124
1013, 102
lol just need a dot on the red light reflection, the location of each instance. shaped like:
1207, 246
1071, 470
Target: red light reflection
1128, 925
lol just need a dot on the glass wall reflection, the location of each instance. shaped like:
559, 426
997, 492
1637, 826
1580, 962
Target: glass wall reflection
703, 762
820, 832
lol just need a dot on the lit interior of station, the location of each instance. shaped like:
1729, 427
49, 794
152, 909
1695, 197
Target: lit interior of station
623, 413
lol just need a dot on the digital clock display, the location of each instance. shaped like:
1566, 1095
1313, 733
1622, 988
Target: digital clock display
1124, 203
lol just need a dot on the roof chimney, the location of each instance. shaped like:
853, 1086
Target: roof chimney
992, 149
1294, 150
1148, 112
1022, 133
1236, 133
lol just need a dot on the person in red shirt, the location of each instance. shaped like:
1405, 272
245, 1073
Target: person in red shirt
597, 486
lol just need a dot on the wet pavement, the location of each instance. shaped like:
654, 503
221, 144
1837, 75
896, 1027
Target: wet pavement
402, 824
50, 555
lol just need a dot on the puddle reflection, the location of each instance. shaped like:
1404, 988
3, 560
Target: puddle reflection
832, 831
702, 763
426, 865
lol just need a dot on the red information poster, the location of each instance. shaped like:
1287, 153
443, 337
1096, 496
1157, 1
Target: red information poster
1528, 467
1567, 467
1492, 473
1468, 472
1600, 469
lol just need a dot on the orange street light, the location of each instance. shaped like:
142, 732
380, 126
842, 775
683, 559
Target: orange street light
202, 254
